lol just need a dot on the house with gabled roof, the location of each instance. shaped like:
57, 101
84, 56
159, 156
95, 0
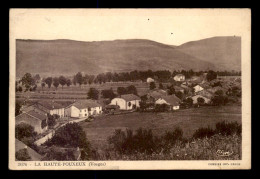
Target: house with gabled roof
127, 101
51, 107
83, 108
171, 100
33, 118
179, 77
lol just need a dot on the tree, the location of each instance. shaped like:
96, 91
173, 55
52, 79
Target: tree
71, 135
161, 86
74, 81
68, 82
152, 85
131, 90
48, 81
211, 75
43, 85
62, 81
170, 90
52, 120
37, 78
56, 82
108, 93
27, 81
23, 130
91, 79
79, 78
17, 108
93, 93
22, 155
180, 95
201, 101
121, 90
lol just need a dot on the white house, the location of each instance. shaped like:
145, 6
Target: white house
149, 80
197, 88
179, 77
171, 100
83, 108
126, 102
195, 99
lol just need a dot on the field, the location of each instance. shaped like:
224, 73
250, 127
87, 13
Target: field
188, 120
76, 92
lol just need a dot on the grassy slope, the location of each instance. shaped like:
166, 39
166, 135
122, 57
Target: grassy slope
189, 120
224, 52
69, 57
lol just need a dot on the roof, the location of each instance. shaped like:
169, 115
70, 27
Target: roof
172, 100
157, 94
82, 104
130, 97
179, 75
31, 107
199, 96
50, 105
34, 155
34, 114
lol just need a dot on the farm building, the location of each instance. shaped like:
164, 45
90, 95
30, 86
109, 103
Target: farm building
179, 77
51, 107
149, 80
126, 102
34, 107
35, 119
171, 100
195, 99
197, 88
32, 153
83, 108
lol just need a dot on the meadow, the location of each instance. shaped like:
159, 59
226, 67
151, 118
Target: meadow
188, 120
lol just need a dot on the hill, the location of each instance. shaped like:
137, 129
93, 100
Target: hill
55, 57
223, 52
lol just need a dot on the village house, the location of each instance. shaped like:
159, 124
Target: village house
126, 102
171, 100
195, 99
35, 107
206, 94
35, 119
149, 80
51, 107
197, 88
179, 77
83, 108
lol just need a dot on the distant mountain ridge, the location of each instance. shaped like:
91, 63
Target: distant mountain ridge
66, 57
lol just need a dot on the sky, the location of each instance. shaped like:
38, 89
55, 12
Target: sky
169, 26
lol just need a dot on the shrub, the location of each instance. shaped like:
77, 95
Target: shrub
161, 108
23, 130
170, 138
22, 155
203, 132
231, 128
129, 142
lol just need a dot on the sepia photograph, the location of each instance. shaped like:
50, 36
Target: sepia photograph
129, 89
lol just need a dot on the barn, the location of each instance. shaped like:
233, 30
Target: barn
126, 102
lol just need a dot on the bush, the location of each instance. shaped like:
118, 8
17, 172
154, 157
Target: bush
203, 132
161, 108
231, 128
128, 143
23, 130
22, 155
